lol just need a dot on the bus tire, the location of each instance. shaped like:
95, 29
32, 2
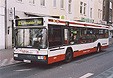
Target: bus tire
68, 55
99, 48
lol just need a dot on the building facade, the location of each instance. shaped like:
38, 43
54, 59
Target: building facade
84, 11
80, 10
108, 15
2, 24
98, 11
107, 11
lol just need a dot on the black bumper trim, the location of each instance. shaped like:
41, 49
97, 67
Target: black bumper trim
32, 58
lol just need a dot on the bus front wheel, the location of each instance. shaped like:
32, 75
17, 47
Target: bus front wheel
68, 56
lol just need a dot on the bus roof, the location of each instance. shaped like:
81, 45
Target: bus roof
77, 23
57, 21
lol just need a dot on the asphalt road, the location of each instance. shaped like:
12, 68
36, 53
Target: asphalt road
88, 66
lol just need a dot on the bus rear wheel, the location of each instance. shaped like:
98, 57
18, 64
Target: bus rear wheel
68, 56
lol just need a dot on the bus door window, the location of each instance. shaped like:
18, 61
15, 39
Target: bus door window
66, 36
55, 36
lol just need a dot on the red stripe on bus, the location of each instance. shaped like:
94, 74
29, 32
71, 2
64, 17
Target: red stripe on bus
104, 47
75, 54
107, 27
87, 51
83, 52
50, 20
62, 22
57, 21
83, 24
56, 58
93, 25
75, 23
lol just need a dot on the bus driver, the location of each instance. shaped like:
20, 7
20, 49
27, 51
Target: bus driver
73, 37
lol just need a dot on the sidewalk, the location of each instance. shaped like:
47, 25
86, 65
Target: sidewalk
6, 57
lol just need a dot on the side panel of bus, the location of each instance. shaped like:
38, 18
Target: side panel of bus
87, 41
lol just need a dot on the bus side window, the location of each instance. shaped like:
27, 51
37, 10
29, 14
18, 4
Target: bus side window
101, 33
83, 35
73, 35
106, 33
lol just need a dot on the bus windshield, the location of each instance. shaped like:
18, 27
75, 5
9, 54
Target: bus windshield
31, 38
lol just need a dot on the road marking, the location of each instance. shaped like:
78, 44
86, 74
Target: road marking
107, 74
22, 70
16, 64
4, 61
86, 75
110, 76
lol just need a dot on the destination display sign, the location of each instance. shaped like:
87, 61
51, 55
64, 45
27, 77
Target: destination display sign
29, 22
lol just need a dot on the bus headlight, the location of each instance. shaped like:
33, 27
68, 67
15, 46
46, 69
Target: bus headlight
42, 57
15, 55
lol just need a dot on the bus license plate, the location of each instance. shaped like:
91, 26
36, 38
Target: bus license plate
27, 61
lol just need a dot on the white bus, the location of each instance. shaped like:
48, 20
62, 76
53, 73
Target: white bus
50, 40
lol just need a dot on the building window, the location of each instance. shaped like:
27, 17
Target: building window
90, 12
62, 4
69, 6
32, 1
99, 13
42, 2
81, 6
54, 3
104, 3
19, 0
84, 8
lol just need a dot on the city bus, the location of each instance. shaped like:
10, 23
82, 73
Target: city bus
49, 40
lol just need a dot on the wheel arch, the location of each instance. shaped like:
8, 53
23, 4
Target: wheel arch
69, 48
99, 47
68, 55
99, 44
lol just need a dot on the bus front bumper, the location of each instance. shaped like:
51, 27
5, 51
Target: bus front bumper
31, 58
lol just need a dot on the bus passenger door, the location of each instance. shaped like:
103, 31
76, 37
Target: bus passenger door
55, 40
